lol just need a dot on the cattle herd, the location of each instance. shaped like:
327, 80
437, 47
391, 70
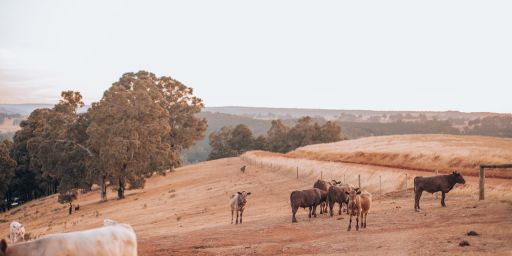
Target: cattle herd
116, 239
357, 202
326, 194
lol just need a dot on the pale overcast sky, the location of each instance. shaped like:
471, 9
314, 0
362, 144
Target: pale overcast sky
380, 55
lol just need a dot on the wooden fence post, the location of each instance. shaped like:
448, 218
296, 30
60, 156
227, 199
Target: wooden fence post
321, 175
406, 183
380, 186
344, 180
359, 180
297, 172
482, 182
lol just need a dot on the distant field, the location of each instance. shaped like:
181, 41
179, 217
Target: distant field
428, 152
8, 126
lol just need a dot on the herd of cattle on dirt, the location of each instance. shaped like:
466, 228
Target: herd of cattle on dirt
358, 202
116, 239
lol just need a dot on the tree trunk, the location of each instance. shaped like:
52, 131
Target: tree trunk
103, 189
120, 189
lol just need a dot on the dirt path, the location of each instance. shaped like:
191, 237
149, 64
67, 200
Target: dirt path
187, 213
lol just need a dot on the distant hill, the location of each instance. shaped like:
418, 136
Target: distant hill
26, 109
347, 115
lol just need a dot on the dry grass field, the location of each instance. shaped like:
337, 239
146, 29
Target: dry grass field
419, 152
187, 213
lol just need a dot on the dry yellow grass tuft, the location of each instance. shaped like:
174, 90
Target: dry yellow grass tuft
425, 152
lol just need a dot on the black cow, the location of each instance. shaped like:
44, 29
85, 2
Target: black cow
443, 183
310, 198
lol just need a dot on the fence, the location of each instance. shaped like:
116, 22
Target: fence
482, 175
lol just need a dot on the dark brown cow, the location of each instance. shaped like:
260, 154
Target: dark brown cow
323, 185
336, 194
310, 198
443, 183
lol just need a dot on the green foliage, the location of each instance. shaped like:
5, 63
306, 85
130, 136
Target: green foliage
7, 166
499, 126
277, 137
67, 197
201, 149
354, 130
234, 141
140, 126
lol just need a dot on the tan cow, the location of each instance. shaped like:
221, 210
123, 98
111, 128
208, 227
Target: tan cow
359, 204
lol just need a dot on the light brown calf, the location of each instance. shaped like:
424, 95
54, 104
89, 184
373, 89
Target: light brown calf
359, 204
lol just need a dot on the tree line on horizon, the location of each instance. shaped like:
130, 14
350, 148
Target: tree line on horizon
140, 127
234, 141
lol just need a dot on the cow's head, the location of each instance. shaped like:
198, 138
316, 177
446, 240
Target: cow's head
352, 194
243, 197
335, 182
458, 177
3, 247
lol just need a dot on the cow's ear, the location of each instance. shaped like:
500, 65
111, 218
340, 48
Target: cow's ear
346, 192
358, 192
240, 193
248, 193
3, 246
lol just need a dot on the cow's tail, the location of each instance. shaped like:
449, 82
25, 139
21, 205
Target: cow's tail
416, 183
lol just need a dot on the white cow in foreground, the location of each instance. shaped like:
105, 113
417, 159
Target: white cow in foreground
16, 232
111, 240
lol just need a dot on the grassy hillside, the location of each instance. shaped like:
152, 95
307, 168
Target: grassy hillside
187, 213
422, 152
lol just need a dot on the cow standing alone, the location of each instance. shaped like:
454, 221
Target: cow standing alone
359, 204
112, 240
237, 204
16, 232
443, 183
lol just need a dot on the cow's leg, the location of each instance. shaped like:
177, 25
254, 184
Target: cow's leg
241, 214
442, 199
310, 210
322, 205
331, 205
365, 218
236, 216
339, 211
357, 222
314, 210
417, 198
294, 211
232, 216
350, 223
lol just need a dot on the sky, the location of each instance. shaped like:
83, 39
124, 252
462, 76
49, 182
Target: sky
375, 55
